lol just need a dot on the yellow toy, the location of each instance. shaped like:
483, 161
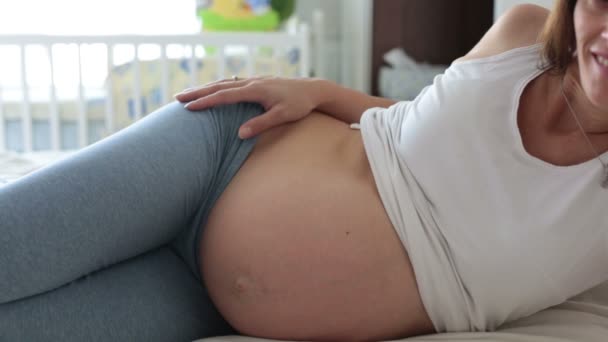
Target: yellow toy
238, 15
232, 9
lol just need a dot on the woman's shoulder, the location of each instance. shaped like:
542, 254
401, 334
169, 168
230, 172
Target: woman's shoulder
518, 27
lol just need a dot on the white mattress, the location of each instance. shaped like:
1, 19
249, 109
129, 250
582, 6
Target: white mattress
583, 318
13, 165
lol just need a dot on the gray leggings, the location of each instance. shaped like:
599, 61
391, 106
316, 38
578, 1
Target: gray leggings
102, 246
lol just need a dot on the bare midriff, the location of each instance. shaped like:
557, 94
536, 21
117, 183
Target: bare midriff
299, 246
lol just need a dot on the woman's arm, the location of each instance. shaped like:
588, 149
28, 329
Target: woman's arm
284, 99
346, 104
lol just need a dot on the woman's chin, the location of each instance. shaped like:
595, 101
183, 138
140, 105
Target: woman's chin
597, 94
600, 101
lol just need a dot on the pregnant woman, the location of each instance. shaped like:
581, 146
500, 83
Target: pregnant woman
260, 209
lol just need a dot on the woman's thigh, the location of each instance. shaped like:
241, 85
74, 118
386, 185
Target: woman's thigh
153, 297
132, 192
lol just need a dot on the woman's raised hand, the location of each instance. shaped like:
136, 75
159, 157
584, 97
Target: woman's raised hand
284, 99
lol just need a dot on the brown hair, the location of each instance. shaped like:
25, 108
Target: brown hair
558, 36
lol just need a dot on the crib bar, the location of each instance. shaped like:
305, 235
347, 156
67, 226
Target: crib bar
26, 118
279, 72
82, 107
276, 54
210, 38
250, 56
109, 118
304, 52
3, 144
137, 85
193, 69
221, 67
164, 74
278, 41
54, 121
318, 28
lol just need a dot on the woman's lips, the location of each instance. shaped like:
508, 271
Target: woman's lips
602, 60
601, 64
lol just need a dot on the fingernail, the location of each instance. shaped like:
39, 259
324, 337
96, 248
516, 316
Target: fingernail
245, 133
185, 91
187, 105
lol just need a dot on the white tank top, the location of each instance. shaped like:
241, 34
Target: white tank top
493, 233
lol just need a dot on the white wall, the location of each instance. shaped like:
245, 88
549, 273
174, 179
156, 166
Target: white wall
347, 41
500, 6
333, 31
357, 44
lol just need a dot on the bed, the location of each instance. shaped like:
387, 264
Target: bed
583, 318
403, 78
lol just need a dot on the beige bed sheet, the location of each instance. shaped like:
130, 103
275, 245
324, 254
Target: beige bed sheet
583, 318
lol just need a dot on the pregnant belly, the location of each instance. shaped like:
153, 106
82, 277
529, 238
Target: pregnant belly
300, 247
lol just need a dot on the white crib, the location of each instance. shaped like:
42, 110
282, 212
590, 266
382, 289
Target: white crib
41, 112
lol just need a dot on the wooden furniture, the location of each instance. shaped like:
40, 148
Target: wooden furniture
435, 31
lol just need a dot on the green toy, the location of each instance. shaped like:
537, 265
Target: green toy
244, 15
284, 8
